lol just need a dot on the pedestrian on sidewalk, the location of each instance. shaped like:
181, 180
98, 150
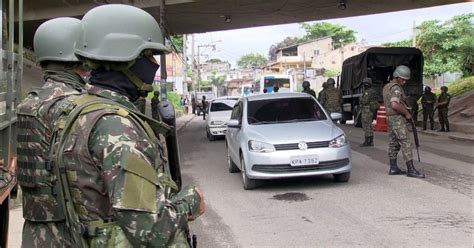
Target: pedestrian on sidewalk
397, 115
428, 100
442, 104
154, 105
186, 105
193, 104
204, 105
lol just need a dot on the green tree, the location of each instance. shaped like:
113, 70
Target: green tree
177, 43
288, 41
448, 46
402, 43
252, 60
331, 73
339, 33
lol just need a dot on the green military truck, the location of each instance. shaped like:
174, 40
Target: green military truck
10, 95
378, 63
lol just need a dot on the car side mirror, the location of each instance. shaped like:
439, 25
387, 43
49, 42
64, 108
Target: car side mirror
336, 116
233, 123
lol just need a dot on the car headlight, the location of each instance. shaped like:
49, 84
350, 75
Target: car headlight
338, 142
257, 146
217, 123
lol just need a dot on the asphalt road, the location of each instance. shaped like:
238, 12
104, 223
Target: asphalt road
372, 210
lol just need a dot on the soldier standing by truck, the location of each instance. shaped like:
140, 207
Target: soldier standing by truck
368, 104
331, 99
428, 100
397, 115
443, 102
307, 89
44, 215
322, 91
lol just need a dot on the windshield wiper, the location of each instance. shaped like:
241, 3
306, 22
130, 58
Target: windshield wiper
263, 122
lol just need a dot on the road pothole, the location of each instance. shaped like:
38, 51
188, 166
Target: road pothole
291, 196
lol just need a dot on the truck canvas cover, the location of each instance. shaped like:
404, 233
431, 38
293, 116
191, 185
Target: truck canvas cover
356, 68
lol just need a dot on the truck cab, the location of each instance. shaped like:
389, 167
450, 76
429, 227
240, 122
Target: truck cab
378, 63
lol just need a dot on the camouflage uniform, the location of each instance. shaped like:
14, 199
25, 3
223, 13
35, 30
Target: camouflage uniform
321, 93
118, 177
331, 99
44, 217
443, 111
428, 100
365, 101
309, 91
154, 106
5, 177
398, 132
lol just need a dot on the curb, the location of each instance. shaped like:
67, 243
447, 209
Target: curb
185, 124
457, 137
461, 138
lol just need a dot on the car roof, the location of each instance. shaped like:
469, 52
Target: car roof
257, 97
227, 98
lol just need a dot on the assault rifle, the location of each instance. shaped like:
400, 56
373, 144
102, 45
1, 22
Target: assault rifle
415, 135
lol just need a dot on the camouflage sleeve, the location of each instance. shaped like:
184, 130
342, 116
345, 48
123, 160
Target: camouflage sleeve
138, 190
395, 93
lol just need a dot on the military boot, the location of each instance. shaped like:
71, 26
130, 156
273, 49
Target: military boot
432, 126
371, 140
447, 127
366, 142
412, 172
394, 170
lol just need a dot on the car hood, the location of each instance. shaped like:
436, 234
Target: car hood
220, 116
294, 132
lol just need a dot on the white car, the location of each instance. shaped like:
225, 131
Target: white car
285, 135
219, 113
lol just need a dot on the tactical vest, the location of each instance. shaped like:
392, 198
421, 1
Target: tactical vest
333, 101
41, 199
89, 208
387, 96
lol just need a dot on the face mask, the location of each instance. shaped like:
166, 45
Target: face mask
145, 70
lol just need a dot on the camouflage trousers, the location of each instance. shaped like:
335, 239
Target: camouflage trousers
428, 113
367, 118
399, 138
47, 234
443, 117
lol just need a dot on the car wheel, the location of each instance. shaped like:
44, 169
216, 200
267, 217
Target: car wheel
247, 182
232, 167
210, 137
342, 178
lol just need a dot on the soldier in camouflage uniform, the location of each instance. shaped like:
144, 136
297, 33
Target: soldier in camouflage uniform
443, 102
154, 105
325, 85
5, 176
331, 99
397, 115
428, 100
368, 100
113, 168
307, 89
44, 217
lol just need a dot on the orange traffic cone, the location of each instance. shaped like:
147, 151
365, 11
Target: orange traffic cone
381, 122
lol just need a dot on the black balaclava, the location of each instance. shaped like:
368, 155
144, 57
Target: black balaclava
116, 81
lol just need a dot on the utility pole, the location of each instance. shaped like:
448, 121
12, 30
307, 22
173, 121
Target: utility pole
199, 62
193, 64
185, 66
413, 43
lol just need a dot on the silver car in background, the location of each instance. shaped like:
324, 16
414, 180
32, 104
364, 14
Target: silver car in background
285, 135
219, 113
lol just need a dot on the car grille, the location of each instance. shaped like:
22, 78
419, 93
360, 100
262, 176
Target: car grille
294, 146
323, 165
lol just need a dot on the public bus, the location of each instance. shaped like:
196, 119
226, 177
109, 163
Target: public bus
247, 90
284, 82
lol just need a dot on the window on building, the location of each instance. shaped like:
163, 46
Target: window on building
316, 52
333, 62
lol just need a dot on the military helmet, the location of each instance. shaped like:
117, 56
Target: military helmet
444, 88
54, 40
118, 33
402, 72
306, 84
330, 81
367, 81
156, 93
427, 89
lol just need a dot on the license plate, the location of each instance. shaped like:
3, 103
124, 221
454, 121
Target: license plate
304, 160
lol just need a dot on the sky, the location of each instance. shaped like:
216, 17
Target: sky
375, 29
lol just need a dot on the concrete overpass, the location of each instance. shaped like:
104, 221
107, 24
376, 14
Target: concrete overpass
197, 16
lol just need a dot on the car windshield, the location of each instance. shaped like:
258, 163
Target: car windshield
222, 106
284, 110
